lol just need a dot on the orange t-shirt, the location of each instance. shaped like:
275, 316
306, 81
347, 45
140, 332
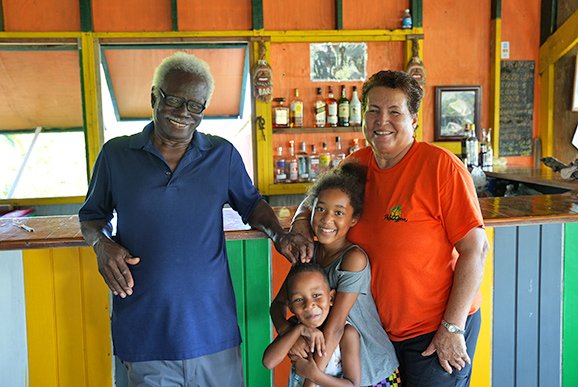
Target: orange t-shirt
414, 213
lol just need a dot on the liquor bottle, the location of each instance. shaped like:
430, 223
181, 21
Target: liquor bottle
406, 22
464, 142
303, 170
339, 154
291, 165
487, 161
331, 103
324, 159
320, 110
296, 111
280, 114
313, 163
279, 167
472, 147
355, 109
343, 108
355, 146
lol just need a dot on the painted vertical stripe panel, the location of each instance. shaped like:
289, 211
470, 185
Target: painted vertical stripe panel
528, 308
13, 352
570, 333
96, 319
41, 318
257, 301
69, 319
550, 361
482, 362
503, 354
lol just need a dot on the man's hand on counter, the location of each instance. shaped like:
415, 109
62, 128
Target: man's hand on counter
295, 247
113, 261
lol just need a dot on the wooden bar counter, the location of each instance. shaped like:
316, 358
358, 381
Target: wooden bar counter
59, 307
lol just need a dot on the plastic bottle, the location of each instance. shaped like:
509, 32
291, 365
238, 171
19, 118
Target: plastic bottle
406, 22
355, 109
279, 167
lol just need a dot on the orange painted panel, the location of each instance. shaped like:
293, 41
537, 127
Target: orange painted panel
201, 15
131, 15
279, 267
45, 15
299, 15
131, 73
521, 27
291, 69
373, 15
40, 88
456, 52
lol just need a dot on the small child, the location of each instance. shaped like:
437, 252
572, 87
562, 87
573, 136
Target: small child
337, 206
309, 299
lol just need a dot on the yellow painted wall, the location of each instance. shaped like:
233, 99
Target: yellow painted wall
67, 318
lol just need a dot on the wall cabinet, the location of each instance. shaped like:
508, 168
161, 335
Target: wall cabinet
288, 56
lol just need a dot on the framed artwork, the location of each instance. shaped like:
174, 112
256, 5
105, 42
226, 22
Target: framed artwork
575, 94
337, 61
456, 106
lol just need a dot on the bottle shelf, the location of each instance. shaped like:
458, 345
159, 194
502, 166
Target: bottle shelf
329, 129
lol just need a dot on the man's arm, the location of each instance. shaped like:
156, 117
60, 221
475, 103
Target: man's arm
294, 247
112, 258
451, 347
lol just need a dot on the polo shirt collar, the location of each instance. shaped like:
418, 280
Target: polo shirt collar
140, 140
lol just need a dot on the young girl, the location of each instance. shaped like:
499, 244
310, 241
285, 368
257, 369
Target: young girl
310, 298
337, 205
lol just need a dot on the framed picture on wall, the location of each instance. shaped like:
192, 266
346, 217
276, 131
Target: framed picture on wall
456, 106
575, 94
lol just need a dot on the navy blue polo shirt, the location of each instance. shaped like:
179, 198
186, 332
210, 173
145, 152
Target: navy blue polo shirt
183, 305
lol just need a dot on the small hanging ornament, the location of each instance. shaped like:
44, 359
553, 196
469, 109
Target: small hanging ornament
262, 77
415, 66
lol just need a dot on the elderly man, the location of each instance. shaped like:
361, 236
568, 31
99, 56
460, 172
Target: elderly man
174, 319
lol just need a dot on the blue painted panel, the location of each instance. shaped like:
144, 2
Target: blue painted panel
528, 306
504, 325
550, 355
13, 344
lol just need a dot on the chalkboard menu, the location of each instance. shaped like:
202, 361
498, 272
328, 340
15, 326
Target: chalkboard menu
516, 107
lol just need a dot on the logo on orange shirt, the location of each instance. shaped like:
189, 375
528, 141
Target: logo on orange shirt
395, 215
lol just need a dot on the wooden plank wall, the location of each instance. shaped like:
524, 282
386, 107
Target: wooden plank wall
527, 307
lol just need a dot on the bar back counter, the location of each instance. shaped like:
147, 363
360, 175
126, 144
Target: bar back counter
55, 308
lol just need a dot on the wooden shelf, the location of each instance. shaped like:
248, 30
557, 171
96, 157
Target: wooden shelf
329, 129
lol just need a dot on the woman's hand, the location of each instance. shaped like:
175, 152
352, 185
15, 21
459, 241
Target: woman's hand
450, 348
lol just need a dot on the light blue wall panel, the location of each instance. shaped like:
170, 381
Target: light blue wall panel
13, 347
528, 287
527, 306
551, 271
504, 325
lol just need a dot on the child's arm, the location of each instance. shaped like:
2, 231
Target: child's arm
349, 359
354, 261
279, 348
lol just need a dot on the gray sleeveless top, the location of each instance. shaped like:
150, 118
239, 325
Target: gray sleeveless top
377, 354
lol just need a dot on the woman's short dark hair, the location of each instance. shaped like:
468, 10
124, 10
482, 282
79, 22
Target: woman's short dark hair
304, 267
394, 80
348, 177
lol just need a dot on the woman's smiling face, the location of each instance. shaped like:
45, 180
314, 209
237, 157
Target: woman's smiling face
388, 125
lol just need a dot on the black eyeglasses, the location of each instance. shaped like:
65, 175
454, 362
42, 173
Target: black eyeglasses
176, 102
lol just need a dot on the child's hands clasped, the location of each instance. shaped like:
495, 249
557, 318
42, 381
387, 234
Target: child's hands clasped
315, 339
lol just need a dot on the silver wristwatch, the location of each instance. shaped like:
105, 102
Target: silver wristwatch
452, 328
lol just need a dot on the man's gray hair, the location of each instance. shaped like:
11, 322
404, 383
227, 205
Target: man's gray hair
187, 63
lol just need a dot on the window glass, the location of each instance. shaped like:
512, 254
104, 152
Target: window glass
52, 165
